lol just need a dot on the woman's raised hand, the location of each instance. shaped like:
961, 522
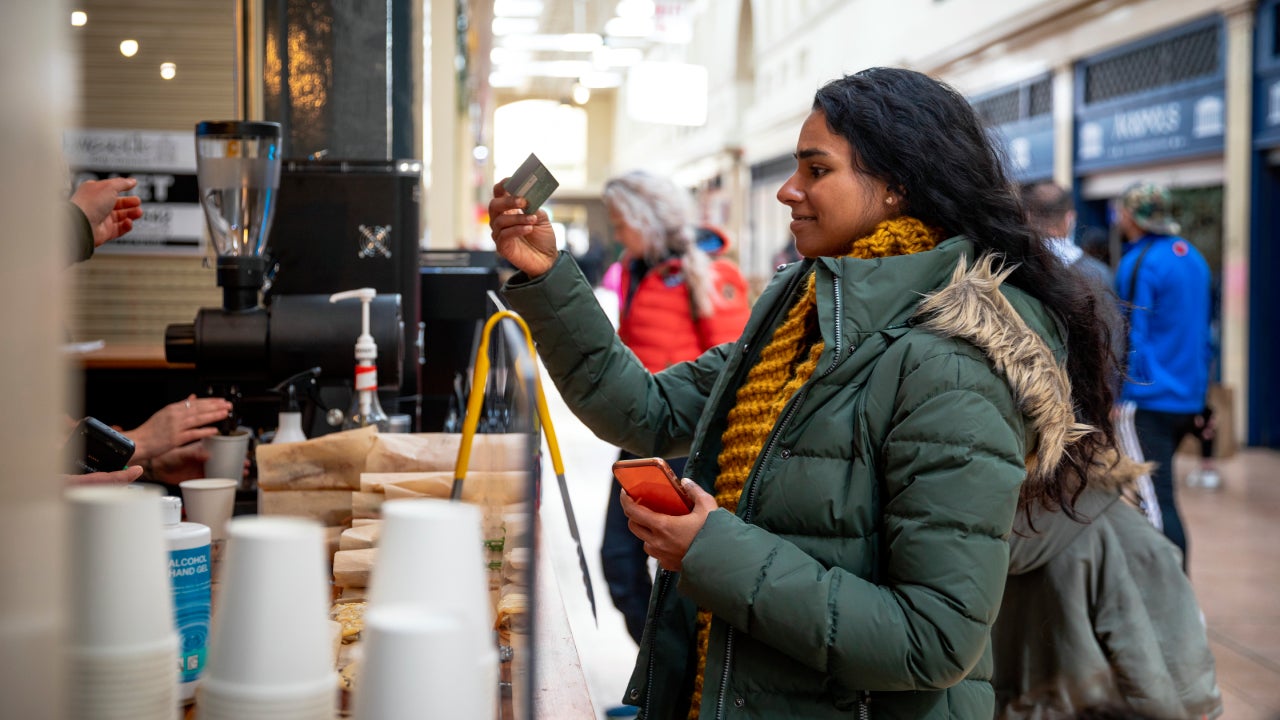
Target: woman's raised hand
526, 241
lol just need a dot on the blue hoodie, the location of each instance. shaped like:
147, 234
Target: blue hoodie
1168, 313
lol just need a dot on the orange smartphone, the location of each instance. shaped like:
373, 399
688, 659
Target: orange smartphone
650, 482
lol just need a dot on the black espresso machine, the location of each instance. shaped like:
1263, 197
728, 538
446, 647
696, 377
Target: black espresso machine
292, 233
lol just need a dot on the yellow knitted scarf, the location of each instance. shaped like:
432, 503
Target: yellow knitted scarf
784, 365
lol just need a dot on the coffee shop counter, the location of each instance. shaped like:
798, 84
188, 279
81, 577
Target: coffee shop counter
561, 691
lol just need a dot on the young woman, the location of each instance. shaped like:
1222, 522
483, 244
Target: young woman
857, 458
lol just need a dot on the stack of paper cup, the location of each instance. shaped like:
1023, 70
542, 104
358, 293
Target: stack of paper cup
122, 640
411, 669
431, 560
270, 652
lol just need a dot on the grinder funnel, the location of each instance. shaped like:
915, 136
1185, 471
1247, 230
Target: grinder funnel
238, 173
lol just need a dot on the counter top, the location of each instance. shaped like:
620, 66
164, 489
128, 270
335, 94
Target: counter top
132, 357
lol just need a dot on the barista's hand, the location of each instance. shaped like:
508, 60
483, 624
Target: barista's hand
119, 477
180, 463
176, 425
667, 538
526, 241
110, 215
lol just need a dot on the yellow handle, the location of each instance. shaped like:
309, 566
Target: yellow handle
472, 419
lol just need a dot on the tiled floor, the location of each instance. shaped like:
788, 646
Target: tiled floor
1235, 568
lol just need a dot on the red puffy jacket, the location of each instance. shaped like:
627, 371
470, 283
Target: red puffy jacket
658, 323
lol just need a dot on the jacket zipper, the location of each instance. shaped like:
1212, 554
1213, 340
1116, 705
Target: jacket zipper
864, 706
664, 580
751, 484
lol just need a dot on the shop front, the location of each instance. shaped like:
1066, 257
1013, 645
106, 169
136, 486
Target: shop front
1155, 110
1264, 295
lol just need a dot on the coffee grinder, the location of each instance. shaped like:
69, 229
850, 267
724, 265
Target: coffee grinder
242, 349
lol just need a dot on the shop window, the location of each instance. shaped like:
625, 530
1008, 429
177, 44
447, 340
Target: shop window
1040, 94
1022, 102
1000, 109
1180, 58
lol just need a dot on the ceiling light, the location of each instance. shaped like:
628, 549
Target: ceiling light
599, 80
514, 26
500, 79
79, 18
581, 93
168, 70
568, 42
636, 9
548, 68
509, 56
517, 8
607, 57
128, 48
629, 27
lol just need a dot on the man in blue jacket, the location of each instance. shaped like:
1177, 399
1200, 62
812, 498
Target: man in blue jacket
1163, 286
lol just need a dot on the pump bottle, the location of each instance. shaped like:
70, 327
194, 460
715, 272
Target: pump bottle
289, 425
365, 408
190, 565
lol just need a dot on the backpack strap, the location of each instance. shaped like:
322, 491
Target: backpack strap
1133, 275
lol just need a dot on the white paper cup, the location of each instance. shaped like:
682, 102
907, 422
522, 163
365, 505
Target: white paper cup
121, 599
431, 558
271, 632
226, 454
431, 555
210, 502
137, 685
221, 701
411, 668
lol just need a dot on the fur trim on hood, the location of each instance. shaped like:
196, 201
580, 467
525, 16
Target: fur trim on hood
972, 308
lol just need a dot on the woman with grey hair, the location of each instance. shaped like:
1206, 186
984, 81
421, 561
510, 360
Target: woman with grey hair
677, 298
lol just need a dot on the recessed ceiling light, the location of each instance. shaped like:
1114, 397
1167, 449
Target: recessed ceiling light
79, 18
128, 48
517, 8
168, 70
514, 26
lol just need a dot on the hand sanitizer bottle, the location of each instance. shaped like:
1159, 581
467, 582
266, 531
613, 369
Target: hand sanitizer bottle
365, 408
190, 564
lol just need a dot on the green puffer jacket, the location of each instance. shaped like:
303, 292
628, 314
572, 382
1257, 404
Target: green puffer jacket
865, 564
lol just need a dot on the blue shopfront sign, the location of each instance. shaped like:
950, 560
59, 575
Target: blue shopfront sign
1028, 146
1154, 127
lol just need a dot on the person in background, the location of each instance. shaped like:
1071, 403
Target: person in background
167, 447
1163, 285
858, 456
100, 212
1096, 243
1051, 213
677, 297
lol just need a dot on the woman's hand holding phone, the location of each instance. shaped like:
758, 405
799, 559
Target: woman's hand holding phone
667, 536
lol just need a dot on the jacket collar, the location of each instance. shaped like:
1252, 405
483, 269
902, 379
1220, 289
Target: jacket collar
947, 292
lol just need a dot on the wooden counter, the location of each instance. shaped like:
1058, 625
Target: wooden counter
128, 357
561, 691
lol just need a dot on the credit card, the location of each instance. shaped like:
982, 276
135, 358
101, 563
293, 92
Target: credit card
533, 182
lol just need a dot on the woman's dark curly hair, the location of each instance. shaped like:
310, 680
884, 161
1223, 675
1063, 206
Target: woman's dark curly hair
922, 138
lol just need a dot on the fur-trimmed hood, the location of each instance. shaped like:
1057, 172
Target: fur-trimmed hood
972, 307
